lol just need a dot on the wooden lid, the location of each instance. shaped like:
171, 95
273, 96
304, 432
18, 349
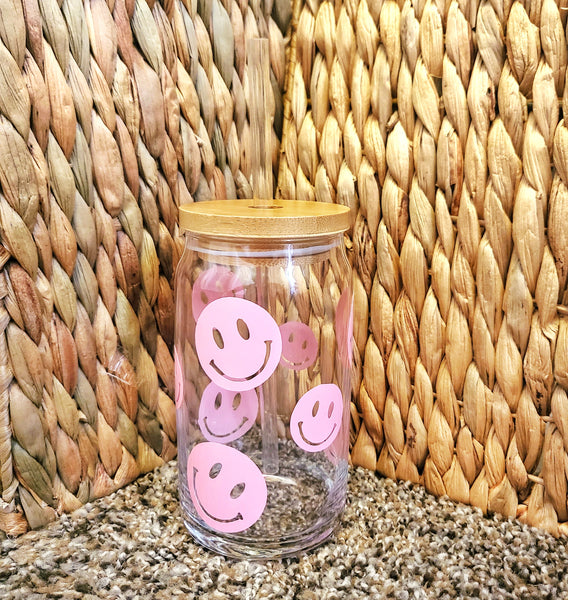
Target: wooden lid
290, 219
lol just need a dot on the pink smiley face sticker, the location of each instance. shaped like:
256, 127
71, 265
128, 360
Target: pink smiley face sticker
299, 346
227, 489
212, 284
316, 419
238, 343
225, 416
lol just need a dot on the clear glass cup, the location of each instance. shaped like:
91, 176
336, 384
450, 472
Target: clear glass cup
263, 351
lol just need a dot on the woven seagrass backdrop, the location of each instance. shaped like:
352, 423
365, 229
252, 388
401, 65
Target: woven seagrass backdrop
441, 124
112, 114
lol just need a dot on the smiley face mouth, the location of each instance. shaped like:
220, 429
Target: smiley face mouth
300, 429
303, 363
239, 517
224, 435
241, 379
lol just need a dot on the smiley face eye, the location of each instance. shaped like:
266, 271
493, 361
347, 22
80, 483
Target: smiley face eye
330, 410
236, 401
215, 470
204, 297
243, 329
237, 490
305, 344
315, 408
218, 401
218, 338
291, 338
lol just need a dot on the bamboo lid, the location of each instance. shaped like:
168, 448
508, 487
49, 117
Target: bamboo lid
289, 219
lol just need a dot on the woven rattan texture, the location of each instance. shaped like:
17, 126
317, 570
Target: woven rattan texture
112, 114
440, 123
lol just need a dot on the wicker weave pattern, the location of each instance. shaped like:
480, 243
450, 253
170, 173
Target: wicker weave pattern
111, 115
441, 125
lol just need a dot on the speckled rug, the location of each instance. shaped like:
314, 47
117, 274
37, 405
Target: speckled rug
396, 541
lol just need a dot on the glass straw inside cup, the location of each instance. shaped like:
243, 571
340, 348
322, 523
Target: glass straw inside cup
260, 117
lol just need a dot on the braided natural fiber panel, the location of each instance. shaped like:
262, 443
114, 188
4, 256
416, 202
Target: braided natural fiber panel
441, 125
112, 114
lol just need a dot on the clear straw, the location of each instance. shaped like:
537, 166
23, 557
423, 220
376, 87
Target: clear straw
260, 118
260, 101
268, 399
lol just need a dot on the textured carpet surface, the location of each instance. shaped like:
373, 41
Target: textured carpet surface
395, 541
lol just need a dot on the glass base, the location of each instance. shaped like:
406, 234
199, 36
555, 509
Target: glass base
304, 502
266, 551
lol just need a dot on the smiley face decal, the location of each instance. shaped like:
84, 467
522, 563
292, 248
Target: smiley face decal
299, 345
225, 416
238, 343
212, 284
227, 489
316, 419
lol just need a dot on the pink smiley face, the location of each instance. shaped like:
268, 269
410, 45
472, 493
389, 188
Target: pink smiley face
299, 346
344, 326
225, 416
212, 284
238, 343
316, 419
227, 489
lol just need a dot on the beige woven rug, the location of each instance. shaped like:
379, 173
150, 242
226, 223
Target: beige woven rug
441, 124
112, 114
